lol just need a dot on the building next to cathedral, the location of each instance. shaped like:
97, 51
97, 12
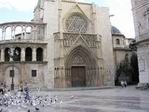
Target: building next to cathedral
67, 44
140, 10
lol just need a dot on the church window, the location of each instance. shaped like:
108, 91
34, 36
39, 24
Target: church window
17, 54
18, 32
39, 54
28, 54
11, 73
118, 41
34, 73
8, 33
7, 56
76, 24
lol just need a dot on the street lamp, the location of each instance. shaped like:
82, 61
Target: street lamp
12, 53
12, 76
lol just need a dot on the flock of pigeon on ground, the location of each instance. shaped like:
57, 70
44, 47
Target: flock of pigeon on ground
26, 101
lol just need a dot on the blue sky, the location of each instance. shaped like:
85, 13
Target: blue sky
22, 10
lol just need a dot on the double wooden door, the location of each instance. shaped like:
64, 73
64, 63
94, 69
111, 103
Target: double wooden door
78, 78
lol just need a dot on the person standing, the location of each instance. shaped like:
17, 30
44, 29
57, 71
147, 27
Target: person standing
26, 90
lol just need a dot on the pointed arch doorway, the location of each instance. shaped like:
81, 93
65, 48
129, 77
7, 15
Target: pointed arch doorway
80, 68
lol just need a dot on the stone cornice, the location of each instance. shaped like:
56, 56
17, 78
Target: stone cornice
22, 22
121, 49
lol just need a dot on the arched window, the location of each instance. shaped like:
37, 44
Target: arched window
118, 41
28, 54
17, 54
28, 29
7, 56
28, 32
8, 33
18, 32
39, 54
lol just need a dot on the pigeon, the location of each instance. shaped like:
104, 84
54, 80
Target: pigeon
1, 110
36, 108
72, 97
61, 102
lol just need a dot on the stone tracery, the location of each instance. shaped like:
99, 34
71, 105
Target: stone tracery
76, 24
90, 39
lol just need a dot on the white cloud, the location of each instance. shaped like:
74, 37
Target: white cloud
20, 5
4, 4
123, 19
120, 8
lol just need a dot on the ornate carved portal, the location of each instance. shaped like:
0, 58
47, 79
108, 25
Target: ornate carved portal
78, 72
81, 68
80, 64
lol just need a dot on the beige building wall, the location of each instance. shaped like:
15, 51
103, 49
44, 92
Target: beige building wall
140, 10
103, 27
55, 14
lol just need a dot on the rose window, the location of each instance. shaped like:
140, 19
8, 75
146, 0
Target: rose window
76, 24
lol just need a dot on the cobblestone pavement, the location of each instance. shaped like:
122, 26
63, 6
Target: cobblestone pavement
117, 99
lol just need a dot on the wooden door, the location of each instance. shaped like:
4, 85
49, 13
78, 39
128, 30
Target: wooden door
78, 76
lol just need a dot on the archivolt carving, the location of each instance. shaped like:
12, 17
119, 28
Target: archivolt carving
78, 61
69, 39
90, 39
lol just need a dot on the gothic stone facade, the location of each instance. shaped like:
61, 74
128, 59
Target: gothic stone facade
69, 45
140, 10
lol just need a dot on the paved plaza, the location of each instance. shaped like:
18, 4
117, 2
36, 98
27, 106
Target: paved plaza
116, 99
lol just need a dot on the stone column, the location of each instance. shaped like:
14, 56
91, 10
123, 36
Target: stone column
12, 29
13, 32
23, 54
34, 54
45, 54
3, 34
94, 28
69, 77
34, 30
24, 37
2, 55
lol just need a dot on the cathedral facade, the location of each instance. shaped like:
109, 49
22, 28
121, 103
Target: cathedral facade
140, 10
67, 44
